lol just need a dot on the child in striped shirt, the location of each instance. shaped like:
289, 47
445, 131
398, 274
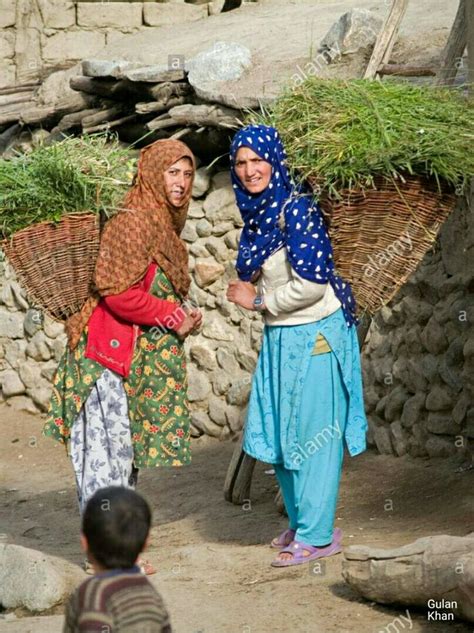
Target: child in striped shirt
119, 598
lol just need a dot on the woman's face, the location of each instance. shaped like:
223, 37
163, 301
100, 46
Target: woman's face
178, 181
253, 172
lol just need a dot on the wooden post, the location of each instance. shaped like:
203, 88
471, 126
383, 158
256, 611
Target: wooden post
386, 38
470, 44
454, 49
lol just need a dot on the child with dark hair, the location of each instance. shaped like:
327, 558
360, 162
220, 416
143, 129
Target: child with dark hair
119, 598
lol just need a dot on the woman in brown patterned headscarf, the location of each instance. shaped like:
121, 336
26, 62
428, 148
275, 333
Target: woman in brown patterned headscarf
119, 395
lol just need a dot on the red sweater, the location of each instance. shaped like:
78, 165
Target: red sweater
114, 324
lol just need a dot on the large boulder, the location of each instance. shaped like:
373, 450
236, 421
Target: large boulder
355, 30
35, 581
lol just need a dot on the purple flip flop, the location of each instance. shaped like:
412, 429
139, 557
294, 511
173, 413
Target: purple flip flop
297, 549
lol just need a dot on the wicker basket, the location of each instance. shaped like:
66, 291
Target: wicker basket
380, 235
55, 262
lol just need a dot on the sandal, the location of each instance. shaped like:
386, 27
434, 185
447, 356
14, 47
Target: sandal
297, 549
284, 539
146, 567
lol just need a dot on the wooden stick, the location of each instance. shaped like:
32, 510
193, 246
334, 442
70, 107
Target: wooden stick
386, 38
454, 49
110, 124
158, 106
91, 120
74, 119
406, 71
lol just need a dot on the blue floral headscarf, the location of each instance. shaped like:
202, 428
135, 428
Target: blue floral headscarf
305, 236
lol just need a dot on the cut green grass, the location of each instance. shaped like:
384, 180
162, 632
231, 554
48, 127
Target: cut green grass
78, 175
344, 133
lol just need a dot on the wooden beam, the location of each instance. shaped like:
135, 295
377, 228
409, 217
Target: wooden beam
386, 38
454, 49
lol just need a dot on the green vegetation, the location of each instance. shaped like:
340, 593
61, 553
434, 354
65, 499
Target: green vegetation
343, 133
90, 173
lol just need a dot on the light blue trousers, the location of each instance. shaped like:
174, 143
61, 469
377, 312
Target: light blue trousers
310, 493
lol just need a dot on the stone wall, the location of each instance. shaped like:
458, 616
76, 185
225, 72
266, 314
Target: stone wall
38, 36
221, 358
419, 360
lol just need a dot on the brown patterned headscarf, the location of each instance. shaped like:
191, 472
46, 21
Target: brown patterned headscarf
146, 229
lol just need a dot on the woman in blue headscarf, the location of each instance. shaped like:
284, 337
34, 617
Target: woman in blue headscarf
306, 396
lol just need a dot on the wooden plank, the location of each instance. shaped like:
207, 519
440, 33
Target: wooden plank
454, 49
386, 38
110, 124
158, 106
106, 114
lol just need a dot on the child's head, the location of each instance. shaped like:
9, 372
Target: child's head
116, 523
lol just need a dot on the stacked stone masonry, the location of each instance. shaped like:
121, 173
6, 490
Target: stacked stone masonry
418, 362
39, 36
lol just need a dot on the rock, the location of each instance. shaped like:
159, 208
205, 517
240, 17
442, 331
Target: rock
414, 379
198, 385
195, 210
382, 440
215, 328
203, 423
204, 228
30, 373
219, 206
430, 568
59, 347
460, 408
13, 296
158, 14
223, 62
246, 358
15, 352
355, 30
207, 271
112, 15
221, 180
33, 321
439, 399
394, 404
35, 581
11, 383
256, 334
442, 424
231, 239
189, 233
222, 228
217, 410
198, 249
202, 182
217, 248
38, 348
220, 383
440, 447
470, 423
22, 403
11, 324
235, 418
41, 395
227, 361
398, 438
429, 366
412, 410
203, 356
52, 328
433, 337
239, 391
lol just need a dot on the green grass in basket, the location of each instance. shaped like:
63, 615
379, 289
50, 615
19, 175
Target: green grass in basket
346, 132
90, 173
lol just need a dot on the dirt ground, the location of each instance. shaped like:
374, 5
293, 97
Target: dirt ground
213, 557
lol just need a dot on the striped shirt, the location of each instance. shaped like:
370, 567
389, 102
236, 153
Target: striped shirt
117, 601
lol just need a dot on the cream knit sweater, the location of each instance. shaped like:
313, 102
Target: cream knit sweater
290, 299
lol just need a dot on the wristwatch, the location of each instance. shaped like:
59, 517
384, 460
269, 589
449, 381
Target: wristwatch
259, 303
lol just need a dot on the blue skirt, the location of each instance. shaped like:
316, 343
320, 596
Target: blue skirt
285, 372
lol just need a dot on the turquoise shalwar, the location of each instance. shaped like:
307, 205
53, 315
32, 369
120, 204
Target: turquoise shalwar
302, 407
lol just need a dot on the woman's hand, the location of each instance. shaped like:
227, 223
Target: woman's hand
196, 314
242, 293
192, 322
